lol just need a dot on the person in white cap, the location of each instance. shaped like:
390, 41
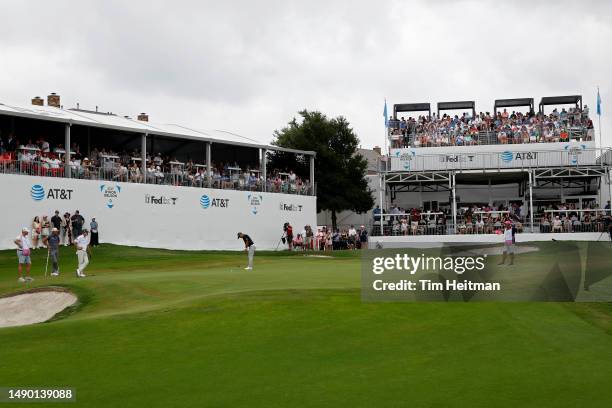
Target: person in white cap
24, 246
52, 242
82, 247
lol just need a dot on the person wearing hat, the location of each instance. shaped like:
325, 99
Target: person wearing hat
24, 246
508, 243
82, 248
52, 242
249, 247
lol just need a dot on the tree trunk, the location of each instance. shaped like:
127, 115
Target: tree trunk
333, 220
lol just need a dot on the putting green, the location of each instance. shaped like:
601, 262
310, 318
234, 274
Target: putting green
161, 328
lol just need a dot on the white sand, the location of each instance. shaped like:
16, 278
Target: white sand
34, 307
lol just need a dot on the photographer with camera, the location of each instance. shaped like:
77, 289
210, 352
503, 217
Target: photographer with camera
288, 231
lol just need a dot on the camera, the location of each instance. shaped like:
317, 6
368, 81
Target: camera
285, 226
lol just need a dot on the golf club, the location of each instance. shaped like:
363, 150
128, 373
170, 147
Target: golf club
47, 263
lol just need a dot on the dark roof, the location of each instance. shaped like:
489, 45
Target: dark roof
456, 105
411, 107
506, 103
561, 100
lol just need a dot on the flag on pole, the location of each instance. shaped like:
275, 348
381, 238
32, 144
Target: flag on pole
385, 113
598, 103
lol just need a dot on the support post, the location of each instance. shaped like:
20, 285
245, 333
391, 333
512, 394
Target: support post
264, 169
381, 193
454, 203
610, 189
312, 175
209, 163
143, 157
531, 200
67, 144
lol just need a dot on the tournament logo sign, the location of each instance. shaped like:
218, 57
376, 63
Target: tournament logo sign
254, 201
111, 193
405, 158
573, 152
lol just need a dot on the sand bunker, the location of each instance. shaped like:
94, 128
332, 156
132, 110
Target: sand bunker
33, 307
496, 250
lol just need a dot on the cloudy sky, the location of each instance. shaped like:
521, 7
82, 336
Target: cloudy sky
248, 67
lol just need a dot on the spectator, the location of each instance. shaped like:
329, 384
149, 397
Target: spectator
65, 230
24, 247
93, 225
363, 237
77, 221
36, 230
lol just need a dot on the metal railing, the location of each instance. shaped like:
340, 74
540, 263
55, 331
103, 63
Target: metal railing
132, 175
443, 225
483, 137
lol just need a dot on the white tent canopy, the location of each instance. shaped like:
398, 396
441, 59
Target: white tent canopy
112, 121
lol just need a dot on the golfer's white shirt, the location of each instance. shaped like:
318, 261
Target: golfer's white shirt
508, 235
82, 242
25, 242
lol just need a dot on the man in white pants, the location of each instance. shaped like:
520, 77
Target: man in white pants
82, 246
249, 246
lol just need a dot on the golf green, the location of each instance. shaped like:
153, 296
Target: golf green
158, 328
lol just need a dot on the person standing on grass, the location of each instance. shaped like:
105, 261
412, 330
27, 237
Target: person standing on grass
249, 247
56, 221
24, 246
52, 242
509, 242
77, 222
82, 248
94, 232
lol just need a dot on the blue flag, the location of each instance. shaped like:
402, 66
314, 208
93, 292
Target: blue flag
598, 103
385, 114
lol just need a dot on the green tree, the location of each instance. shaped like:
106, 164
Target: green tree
339, 170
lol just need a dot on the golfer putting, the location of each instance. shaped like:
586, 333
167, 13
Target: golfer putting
509, 241
24, 246
52, 243
82, 249
249, 246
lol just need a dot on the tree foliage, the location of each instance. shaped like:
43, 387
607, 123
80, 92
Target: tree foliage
339, 170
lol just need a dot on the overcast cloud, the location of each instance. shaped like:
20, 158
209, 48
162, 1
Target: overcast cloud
248, 67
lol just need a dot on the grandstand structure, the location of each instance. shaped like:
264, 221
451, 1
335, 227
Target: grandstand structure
467, 173
149, 183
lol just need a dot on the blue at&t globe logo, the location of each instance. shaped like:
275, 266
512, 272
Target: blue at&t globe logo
205, 201
37, 192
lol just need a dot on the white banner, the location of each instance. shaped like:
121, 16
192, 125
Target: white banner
154, 216
493, 156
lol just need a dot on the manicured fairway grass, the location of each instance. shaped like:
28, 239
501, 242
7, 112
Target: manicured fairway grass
170, 329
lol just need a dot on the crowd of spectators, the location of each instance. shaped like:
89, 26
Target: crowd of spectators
69, 226
39, 158
329, 239
484, 128
485, 219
